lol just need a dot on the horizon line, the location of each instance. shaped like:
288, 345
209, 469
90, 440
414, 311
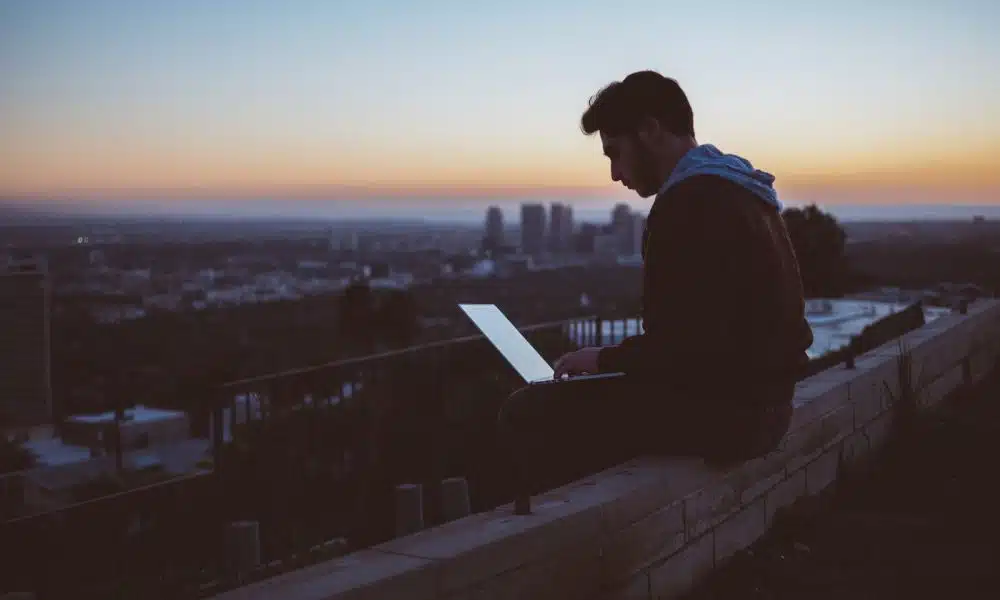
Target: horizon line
844, 212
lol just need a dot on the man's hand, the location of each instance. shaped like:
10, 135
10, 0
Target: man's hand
579, 362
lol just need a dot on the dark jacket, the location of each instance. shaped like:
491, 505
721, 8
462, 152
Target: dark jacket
722, 301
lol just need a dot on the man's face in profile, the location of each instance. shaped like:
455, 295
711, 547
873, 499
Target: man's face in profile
632, 163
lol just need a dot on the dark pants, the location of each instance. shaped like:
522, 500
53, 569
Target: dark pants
558, 432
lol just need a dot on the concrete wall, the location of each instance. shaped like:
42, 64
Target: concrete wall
653, 526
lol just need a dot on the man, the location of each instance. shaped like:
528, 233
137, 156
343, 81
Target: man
725, 333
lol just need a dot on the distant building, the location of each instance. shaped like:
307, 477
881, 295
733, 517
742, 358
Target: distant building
583, 241
493, 234
607, 246
560, 227
532, 228
349, 242
141, 427
623, 228
25, 380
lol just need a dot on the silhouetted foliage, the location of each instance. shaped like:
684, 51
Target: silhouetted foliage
370, 319
356, 313
396, 318
14, 457
819, 242
924, 264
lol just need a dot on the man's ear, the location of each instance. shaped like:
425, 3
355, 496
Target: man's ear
649, 131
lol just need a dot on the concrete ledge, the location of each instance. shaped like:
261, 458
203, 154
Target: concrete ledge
653, 527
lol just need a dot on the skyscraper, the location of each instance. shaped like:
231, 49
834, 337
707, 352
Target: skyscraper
623, 227
532, 228
560, 227
493, 235
25, 387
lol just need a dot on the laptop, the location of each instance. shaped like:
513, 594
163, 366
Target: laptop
514, 347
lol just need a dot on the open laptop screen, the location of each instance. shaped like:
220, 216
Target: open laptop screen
508, 340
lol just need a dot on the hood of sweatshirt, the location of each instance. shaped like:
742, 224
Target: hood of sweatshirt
709, 160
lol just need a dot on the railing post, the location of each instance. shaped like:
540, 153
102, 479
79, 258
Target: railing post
454, 499
522, 503
522, 493
511, 438
852, 350
242, 547
409, 508
218, 427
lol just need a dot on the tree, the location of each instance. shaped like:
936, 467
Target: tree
357, 315
14, 456
819, 245
397, 318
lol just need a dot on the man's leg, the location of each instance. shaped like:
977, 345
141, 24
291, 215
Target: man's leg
723, 428
556, 433
561, 432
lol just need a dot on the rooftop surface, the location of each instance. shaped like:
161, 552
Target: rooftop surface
920, 522
50, 450
833, 329
833, 321
137, 414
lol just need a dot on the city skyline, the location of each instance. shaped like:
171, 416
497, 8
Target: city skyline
189, 107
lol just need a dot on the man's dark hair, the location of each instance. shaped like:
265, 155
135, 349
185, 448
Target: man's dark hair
621, 106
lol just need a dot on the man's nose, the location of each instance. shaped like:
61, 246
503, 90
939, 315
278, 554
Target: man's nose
615, 176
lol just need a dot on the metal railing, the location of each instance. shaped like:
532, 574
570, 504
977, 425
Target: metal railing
342, 433
311, 454
149, 542
873, 335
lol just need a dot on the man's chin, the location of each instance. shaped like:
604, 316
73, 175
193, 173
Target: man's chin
645, 193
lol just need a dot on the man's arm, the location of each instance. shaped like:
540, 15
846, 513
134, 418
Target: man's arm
698, 255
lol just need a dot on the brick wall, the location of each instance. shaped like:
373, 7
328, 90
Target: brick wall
652, 527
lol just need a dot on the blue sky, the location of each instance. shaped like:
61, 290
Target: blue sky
128, 101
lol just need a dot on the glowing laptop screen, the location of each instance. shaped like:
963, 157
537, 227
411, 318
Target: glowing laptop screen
508, 340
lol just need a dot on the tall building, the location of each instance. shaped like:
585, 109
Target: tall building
532, 228
583, 241
623, 227
493, 235
560, 227
25, 381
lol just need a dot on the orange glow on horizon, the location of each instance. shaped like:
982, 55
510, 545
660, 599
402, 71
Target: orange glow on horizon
567, 169
151, 102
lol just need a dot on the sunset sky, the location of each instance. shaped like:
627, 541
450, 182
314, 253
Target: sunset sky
162, 103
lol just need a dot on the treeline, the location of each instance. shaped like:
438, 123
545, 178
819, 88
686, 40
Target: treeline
925, 264
173, 359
